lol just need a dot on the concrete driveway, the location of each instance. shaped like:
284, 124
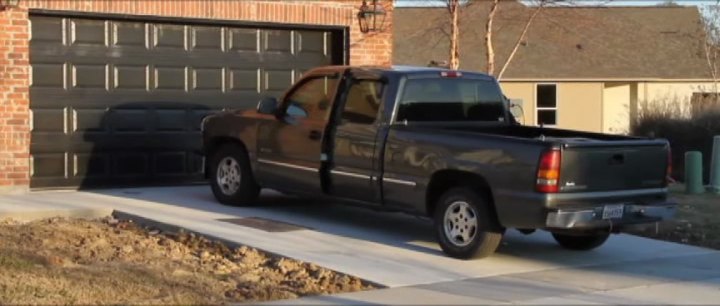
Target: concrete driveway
399, 252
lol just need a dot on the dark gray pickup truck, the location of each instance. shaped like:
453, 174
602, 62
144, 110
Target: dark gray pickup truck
442, 144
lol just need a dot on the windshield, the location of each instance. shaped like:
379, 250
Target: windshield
451, 99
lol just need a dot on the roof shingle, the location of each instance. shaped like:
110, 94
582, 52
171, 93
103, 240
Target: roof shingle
563, 42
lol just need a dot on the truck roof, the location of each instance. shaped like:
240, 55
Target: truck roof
397, 69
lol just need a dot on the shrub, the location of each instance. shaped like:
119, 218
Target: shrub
687, 128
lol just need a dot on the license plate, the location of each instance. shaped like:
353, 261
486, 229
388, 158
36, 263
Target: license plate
613, 211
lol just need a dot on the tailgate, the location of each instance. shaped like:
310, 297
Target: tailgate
608, 165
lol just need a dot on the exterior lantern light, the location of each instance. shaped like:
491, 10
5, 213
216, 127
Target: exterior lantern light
7, 4
371, 17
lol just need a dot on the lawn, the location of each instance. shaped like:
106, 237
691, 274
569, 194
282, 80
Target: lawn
697, 221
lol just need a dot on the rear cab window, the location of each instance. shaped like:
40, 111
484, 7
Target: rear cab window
456, 99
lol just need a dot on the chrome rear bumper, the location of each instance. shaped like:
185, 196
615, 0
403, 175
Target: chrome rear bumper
592, 217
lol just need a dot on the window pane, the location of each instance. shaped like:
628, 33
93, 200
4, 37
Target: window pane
363, 102
312, 99
546, 96
547, 116
450, 99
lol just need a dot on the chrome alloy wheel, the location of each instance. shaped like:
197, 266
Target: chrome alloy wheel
460, 223
228, 175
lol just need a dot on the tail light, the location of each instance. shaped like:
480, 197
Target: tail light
548, 175
668, 174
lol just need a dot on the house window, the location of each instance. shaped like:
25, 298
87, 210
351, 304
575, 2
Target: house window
546, 104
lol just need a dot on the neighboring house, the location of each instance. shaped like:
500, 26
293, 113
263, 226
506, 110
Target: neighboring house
112, 92
586, 68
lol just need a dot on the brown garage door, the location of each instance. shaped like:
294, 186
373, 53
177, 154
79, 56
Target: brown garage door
119, 101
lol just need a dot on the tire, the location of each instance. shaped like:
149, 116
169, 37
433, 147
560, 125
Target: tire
580, 242
462, 238
231, 177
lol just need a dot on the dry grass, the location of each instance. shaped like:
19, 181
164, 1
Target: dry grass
696, 223
61, 261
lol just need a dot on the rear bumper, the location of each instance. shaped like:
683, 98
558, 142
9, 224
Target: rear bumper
592, 217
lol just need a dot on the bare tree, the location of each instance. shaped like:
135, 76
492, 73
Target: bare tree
520, 39
711, 43
490, 54
453, 7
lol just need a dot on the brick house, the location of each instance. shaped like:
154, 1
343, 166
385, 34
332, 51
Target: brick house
112, 92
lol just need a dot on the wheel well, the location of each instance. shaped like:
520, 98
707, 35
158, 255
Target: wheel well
443, 180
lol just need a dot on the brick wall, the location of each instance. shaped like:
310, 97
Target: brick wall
365, 49
14, 100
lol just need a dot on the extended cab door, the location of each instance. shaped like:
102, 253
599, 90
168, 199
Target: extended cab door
355, 167
290, 148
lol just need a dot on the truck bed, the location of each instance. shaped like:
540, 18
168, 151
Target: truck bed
590, 161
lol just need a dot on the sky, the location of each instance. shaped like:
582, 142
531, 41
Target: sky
576, 2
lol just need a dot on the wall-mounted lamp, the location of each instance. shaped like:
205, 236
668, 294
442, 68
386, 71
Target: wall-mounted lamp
371, 17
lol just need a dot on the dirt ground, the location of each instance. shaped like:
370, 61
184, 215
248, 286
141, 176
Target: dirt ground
697, 221
67, 261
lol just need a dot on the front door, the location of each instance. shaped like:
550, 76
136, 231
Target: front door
290, 149
355, 167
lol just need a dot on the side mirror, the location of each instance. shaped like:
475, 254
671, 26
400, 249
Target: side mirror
268, 106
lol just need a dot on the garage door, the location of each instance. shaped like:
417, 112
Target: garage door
119, 102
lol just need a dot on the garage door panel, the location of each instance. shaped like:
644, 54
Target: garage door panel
129, 34
244, 80
47, 30
130, 77
48, 75
278, 80
171, 120
89, 76
208, 79
89, 121
131, 164
170, 78
92, 165
49, 121
277, 41
310, 42
85, 33
170, 163
129, 121
207, 39
244, 40
169, 36
121, 102
49, 165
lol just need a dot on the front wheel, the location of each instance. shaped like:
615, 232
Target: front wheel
231, 178
466, 225
580, 242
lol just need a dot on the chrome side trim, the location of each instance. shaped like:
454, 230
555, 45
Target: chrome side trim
349, 174
270, 162
401, 182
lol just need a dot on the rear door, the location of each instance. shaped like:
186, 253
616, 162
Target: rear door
355, 168
606, 166
290, 148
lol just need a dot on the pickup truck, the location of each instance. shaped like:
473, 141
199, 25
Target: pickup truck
437, 143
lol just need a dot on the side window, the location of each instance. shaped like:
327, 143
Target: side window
363, 102
546, 106
312, 99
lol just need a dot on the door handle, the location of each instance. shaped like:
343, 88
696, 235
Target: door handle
315, 135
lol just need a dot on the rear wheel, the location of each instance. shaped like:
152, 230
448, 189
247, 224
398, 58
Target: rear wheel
231, 177
580, 242
466, 225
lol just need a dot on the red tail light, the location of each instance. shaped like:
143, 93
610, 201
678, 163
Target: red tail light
548, 175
